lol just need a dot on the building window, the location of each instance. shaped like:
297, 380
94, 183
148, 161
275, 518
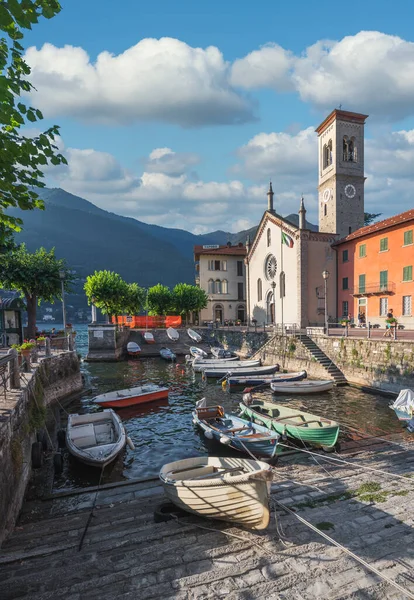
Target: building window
240, 291
259, 290
349, 149
362, 251
408, 273
408, 237
224, 286
269, 237
345, 308
345, 283
383, 308
211, 286
383, 244
406, 306
217, 265
240, 268
345, 257
327, 154
218, 286
224, 265
361, 284
383, 280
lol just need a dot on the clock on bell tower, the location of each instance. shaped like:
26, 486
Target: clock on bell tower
341, 172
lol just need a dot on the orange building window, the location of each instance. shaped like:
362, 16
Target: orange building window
362, 251
383, 244
408, 273
408, 237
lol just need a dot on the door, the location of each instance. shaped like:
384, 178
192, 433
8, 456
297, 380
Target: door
240, 314
218, 314
362, 312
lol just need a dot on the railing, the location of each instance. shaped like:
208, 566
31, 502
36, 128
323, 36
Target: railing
374, 288
349, 157
9, 372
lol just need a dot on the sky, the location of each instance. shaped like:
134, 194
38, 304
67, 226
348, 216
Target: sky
179, 113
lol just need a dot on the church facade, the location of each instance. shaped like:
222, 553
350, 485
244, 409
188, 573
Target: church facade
291, 271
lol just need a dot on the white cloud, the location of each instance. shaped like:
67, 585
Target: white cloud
164, 80
267, 67
164, 160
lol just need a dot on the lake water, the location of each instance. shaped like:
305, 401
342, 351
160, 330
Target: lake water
163, 432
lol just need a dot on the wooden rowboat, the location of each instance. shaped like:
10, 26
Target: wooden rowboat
222, 372
404, 405
133, 349
196, 337
96, 439
235, 432
132, 396
218, 352
232, 366
197, 352
302, 387
263, 380
148, 337
296, 424
229, 489
167, 354
173, 334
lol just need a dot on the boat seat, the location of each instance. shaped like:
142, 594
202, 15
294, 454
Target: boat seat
83, 436
104, 433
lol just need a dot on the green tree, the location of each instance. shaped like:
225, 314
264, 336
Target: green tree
21, 158
36, 276
370, 218
107, 291
159, 300
188, 298
134, 301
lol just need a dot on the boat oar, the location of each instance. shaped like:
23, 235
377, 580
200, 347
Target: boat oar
255, 388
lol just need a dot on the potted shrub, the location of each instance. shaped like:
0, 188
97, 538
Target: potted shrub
391, 321
27, 347
344, 322
41, 341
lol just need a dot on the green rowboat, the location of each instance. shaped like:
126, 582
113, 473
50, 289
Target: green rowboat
298, 425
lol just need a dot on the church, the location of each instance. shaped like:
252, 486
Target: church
291, 272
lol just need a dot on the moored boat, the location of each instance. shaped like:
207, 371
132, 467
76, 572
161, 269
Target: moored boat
221, 352
222, 372
196, 337
292, 422
198, 360
173, 334
96, 439
404, 405
132, 396
254, 380
167, 354
235, 432
225, 488
148, 337
133, 349
302, 387
227, 365
197, 352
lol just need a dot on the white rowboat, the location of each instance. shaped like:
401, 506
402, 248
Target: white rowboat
302, 387
226, 488
196, 337
148, 337
173, 334
95, 438
198, 352
133, 349
219, 364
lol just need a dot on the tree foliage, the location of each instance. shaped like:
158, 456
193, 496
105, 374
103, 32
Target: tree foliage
36, 276
188, 298
370, 217
159, 300
21, 158
112, 295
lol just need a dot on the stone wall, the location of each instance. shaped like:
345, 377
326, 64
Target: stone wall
55, 378
244, 342
107, 342
382, 364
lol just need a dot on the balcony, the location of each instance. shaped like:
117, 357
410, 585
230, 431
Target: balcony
374, 289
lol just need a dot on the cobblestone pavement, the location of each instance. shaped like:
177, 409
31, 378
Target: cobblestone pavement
125, 555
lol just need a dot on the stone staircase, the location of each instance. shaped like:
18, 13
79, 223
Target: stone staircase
334, 372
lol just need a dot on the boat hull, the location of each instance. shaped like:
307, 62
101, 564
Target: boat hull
218, 373
301, 387
320, 435
241, 500
202, 365
173, 334
132, 399
266, 379
196, 337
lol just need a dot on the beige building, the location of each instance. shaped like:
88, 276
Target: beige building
221, 273
290, 270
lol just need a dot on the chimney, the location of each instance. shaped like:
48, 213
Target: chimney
270, 198
302, 214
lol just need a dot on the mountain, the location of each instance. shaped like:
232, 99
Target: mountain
90, 239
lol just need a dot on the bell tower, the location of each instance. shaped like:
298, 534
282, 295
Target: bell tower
341, 172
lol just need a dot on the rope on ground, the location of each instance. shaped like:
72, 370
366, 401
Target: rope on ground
347, 551
364, 467
92, 510
405, 446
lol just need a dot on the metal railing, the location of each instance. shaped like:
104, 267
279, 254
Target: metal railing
374, 288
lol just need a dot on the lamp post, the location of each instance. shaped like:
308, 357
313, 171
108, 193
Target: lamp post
62, 277
273, 284
325, 275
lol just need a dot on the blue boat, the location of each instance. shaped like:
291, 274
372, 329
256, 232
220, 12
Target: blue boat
232, 431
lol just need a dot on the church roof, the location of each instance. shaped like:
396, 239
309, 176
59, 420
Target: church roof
404, 217
343, 115
238, 250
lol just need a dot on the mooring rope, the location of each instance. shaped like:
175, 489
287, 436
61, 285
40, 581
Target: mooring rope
405, 446
346, 550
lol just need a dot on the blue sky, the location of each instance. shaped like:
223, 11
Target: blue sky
212, 170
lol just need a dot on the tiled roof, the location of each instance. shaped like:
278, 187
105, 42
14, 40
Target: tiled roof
385, 224
239, 250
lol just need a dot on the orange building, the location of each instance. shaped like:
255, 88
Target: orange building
375, 271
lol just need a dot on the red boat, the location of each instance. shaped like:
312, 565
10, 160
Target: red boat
132, 396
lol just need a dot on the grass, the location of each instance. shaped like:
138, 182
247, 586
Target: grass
367, 492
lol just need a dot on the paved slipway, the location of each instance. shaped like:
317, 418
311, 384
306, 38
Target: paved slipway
126, 555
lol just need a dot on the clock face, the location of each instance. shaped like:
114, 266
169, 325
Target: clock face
270, 267
326, 195
350, 191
